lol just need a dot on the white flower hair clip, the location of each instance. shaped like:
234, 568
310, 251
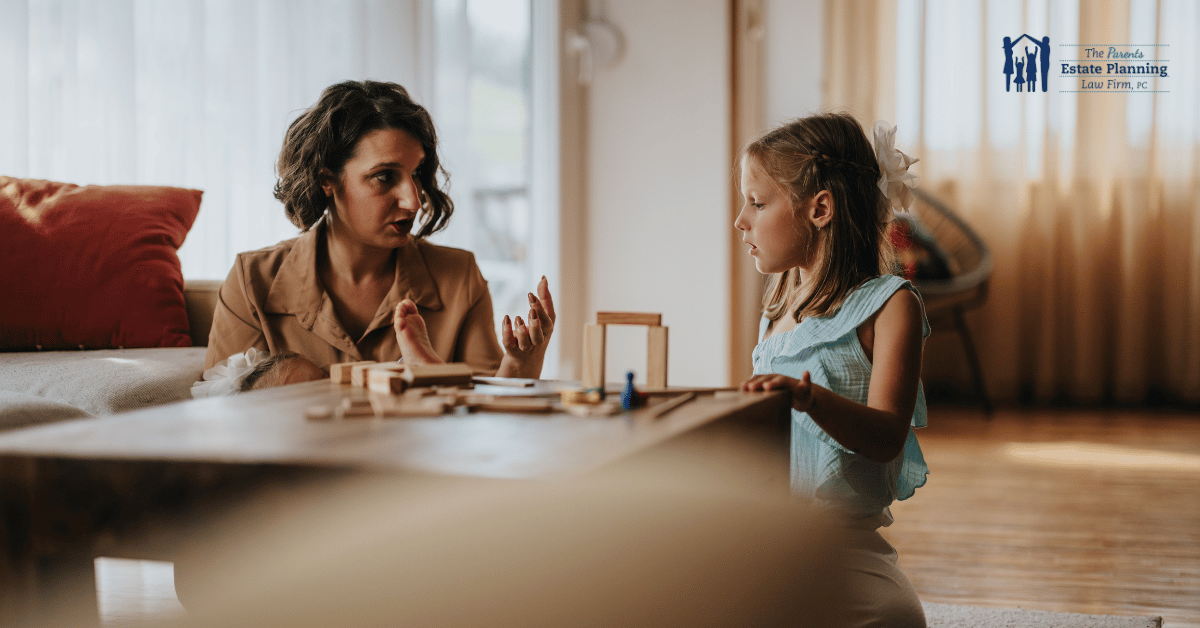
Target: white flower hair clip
226, 378
895, 181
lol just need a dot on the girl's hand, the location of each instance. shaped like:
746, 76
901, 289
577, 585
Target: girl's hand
802, 389
525, 341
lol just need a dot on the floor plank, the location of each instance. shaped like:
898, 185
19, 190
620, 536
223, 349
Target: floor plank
1070, 511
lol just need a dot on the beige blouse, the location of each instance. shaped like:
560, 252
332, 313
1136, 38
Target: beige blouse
273, 300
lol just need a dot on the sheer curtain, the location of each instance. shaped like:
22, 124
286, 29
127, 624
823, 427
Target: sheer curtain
1090, 202
192, 93
482, 106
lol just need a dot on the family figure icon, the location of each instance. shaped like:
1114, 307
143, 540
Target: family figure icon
1027, 66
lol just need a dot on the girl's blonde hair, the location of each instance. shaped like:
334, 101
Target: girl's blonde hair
828, 151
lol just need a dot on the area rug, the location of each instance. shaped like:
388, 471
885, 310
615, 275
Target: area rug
956, 616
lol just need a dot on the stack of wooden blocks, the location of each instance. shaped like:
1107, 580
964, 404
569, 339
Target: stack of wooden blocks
416, 390
594, 347
400, 390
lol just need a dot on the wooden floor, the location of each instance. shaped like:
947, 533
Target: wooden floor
1070, 511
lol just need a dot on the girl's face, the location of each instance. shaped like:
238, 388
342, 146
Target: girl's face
780, 236
377, 197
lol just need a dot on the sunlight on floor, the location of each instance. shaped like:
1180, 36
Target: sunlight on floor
1091, 455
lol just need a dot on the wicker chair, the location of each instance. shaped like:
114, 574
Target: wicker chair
968, 264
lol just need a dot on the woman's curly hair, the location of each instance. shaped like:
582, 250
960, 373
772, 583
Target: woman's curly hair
325, 135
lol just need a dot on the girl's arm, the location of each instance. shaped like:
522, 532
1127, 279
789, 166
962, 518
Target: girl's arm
878, 429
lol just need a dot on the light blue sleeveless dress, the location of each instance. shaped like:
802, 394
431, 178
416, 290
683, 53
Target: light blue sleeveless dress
821, 468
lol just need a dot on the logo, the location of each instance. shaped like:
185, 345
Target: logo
1118, 68
1027, 66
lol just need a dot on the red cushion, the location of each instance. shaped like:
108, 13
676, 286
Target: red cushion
92, 267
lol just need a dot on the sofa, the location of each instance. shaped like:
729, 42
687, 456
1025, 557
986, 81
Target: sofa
38, 387
95, 314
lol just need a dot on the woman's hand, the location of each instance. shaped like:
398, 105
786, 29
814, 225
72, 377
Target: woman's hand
525, 342
802, 389
412, 336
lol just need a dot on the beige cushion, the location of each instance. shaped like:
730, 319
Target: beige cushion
25, 410
201, 299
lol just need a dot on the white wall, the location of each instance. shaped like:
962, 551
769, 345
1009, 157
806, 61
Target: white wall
794, 39
658, 178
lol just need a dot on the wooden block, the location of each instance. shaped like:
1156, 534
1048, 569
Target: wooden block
358, 374
656, 357
340, 373
509, 404
592, 396
607, 408
593, 355
356, 402
449, 390
392, 384
452, 374
423, 408
448, 400
511, 382
629, 318
318, 413
390, 406
385, 380
389, 367
365, 371
355, 408
418, 392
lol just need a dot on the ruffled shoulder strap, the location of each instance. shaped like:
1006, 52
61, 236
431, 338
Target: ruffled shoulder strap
859, 305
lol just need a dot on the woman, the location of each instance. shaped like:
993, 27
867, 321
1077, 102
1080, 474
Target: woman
356, 173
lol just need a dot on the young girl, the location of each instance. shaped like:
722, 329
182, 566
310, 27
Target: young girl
843, 335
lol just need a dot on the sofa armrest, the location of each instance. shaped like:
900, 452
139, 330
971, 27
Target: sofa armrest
200, 295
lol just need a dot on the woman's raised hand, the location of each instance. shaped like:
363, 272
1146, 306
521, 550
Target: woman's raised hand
412, 336
802, 389
525, 341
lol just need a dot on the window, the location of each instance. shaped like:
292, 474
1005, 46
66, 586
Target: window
482, 105
199, 93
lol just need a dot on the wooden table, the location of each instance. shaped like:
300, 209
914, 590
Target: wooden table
132, 484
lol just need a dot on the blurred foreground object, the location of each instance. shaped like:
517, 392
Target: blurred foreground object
677, 538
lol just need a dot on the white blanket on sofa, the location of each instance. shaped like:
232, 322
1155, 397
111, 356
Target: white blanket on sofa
43, 386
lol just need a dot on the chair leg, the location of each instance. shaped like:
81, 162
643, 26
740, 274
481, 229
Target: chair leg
964, 334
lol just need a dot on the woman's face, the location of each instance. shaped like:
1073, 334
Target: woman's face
777, 233
377, 197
